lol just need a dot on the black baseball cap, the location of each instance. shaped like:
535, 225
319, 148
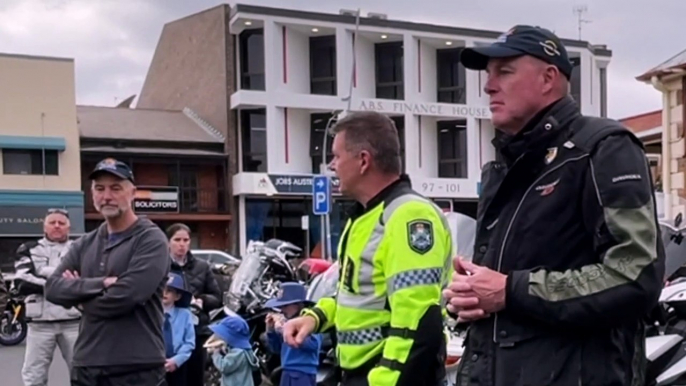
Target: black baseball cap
521, 40
113, 167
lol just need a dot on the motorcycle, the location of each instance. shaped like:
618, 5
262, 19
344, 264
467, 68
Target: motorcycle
256, 280
322, 285
463, 230
665, 343
13, 324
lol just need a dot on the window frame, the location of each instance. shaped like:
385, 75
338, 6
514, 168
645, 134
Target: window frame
247, 73
397, 85
42, 162
318, 45
459, 157
457, 88
246, 129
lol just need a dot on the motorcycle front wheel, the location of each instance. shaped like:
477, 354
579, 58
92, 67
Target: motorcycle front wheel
12, 333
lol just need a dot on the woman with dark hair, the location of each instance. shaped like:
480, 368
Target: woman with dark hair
206, 294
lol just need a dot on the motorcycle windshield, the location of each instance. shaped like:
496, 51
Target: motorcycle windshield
463, 232
324, 285
670, 214
246, 273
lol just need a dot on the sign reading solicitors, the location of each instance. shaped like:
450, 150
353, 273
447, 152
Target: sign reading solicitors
156, 199
423, 108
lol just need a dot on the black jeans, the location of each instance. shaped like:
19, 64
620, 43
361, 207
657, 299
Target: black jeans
179, 377
195, 366
118, 376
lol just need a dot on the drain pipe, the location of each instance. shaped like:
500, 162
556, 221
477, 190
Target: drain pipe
666, 144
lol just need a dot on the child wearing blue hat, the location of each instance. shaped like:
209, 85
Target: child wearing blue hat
236, 362
299, 364
178, 329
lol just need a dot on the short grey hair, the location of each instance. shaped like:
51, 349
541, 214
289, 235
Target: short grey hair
375, 133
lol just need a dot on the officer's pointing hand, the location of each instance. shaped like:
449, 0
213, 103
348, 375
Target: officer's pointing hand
295, 331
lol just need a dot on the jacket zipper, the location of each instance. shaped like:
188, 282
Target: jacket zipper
514, 216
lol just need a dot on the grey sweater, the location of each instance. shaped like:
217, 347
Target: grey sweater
121, 325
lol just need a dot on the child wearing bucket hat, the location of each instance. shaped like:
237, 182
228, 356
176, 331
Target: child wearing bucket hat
236, 362
178, 329
299, 364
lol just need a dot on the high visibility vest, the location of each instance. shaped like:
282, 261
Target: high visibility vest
396, 259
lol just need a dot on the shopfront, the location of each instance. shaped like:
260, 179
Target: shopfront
19, 224
280, 206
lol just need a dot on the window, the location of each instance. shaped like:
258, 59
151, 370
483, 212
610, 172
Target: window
30, 162
323, 65
603, 92
318, 123
400, 125
252, 59
451, 76
254, 140
452, 149
575, 81
389, 70
185, 177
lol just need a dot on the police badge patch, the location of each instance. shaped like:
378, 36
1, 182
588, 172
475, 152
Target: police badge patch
420, 236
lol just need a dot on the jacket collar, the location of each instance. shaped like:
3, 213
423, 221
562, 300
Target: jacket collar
190, 259
540, 130
402, 182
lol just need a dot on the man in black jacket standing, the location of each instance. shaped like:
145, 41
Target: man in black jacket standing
567, 258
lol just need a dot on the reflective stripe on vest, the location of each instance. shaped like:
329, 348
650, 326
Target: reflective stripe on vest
366, 299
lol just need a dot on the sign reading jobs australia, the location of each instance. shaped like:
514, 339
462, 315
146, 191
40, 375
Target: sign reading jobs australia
423, 108
156, 199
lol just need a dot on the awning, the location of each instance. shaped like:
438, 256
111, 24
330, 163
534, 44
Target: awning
32, 143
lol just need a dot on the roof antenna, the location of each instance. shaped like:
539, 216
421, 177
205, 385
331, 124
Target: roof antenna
580, 11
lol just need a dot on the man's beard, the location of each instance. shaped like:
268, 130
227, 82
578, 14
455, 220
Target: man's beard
110, 211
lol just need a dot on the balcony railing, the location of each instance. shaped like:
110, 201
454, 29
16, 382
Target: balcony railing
191, 200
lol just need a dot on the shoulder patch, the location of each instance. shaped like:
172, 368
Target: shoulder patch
420, 236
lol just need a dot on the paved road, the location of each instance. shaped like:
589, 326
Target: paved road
12, 358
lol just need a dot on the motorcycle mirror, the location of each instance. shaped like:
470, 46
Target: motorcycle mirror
677, 220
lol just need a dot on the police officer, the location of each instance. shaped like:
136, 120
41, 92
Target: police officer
395, 256
567, 257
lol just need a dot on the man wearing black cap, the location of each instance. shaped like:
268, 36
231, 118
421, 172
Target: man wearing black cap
567, 258
116, 275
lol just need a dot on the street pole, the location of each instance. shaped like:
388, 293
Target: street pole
325, 220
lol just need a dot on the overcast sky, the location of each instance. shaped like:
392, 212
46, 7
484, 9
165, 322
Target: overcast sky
112, 41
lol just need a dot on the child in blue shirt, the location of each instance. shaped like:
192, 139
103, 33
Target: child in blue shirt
178, 329
299, 364
234, 357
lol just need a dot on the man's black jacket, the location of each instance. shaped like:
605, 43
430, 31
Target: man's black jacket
576, 233
200, 281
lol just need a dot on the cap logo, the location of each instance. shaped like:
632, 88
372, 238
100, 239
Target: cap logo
550, 48
170, 280
503, 37
108, 163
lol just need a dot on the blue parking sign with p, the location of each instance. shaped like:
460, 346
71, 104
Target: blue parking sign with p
321, 195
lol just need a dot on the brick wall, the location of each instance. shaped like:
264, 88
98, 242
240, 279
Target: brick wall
644, 121
213, 235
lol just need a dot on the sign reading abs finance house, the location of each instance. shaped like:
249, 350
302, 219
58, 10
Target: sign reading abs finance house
156, 199
423, 108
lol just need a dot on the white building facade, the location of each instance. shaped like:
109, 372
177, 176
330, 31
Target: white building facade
294, 68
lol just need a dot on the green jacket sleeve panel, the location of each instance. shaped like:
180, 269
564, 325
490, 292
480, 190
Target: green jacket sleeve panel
416, 253
625, 283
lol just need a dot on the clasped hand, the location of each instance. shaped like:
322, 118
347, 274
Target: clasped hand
475, 291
